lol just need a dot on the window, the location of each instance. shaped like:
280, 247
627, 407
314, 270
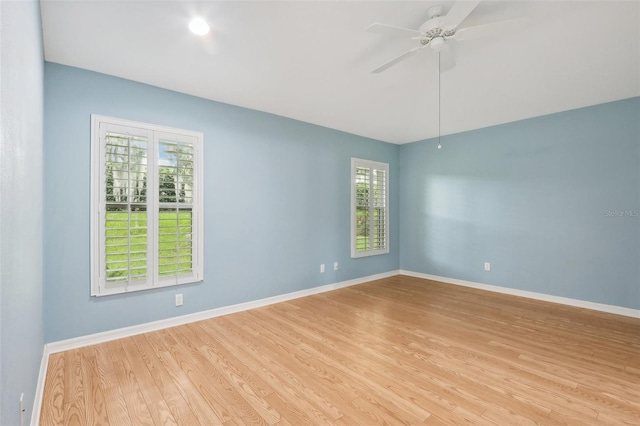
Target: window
146, 209
369, 208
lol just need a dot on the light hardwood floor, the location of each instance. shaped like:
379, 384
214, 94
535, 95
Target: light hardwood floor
397, 351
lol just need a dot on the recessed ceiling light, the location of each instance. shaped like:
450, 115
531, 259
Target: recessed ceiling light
199, 26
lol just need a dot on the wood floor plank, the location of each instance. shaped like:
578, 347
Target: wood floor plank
132, 395
93, 395
158, 408
160, 378
292, 386
75, 412
229, 363
189, 420
400, 350
197, 379
256, 401
222, 390
106, 373
116, 407
53, 394
187, 389
288, 410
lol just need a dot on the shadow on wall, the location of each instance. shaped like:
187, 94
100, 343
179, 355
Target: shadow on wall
539, 234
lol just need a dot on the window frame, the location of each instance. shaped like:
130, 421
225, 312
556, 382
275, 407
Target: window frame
371, 165
154, 134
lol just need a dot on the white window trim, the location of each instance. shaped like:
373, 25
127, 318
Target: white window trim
358, 162
98, 202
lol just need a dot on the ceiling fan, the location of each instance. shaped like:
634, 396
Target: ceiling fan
436, 31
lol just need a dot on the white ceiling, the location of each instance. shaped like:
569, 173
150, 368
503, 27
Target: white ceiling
311, 60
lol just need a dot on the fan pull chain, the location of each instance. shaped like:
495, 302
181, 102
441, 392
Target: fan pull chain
439, 103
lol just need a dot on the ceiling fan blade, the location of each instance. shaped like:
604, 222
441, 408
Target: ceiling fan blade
491, 29
396, 60
459, 11
391, 30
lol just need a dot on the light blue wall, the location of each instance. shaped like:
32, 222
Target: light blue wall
276, 202
537, 198
21, 324
530, 197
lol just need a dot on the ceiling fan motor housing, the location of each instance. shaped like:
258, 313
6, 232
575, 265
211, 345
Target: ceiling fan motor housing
433, 31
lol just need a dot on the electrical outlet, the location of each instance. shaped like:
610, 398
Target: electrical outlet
179, 299
322, 268
487, 266
335, 266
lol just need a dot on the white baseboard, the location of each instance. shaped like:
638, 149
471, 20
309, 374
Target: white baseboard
612, 309
93, 339
37, 399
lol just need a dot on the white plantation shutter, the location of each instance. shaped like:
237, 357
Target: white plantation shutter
124, 218
379, 208
369, 208
175, 207
362, 216
146, 206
